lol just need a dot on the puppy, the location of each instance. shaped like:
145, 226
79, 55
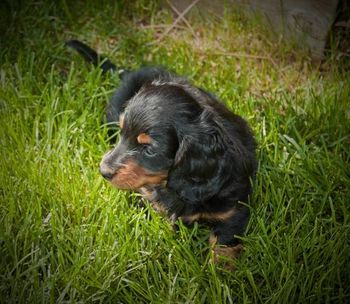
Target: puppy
183, 150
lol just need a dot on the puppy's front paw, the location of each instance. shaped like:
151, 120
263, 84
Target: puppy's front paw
225, 256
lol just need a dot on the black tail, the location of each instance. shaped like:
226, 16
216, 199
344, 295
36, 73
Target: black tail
91, 56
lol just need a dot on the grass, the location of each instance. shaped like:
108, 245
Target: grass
67, 236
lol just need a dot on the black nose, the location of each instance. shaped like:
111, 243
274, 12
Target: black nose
106, 172
106, 175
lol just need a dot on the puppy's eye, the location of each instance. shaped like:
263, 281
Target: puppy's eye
148, 150
195, 179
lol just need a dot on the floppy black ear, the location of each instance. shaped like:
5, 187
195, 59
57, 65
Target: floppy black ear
203, 162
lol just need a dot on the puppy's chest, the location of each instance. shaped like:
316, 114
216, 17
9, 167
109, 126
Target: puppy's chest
161, 198
149, 193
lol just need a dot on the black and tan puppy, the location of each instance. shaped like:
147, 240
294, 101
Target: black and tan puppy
183, 149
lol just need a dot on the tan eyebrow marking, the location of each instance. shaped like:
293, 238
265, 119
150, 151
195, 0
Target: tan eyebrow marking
143, 138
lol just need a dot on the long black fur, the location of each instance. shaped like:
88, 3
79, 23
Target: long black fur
208, 152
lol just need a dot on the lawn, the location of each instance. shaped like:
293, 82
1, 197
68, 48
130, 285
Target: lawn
67, 236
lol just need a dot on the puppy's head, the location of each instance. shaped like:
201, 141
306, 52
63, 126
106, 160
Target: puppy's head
148, 140
180, 136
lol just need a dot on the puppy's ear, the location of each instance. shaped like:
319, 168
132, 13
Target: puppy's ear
185, 145
214, 157
202, 163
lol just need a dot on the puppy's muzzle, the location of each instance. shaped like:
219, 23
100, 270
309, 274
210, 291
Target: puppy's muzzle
107, 166
106, 172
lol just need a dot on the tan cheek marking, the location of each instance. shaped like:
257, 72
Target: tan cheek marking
132, 176
124, 179
154, 180
143, 138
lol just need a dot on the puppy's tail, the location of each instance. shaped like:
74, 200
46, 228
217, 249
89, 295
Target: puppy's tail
93, 57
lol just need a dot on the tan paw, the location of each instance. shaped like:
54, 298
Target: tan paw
225, 255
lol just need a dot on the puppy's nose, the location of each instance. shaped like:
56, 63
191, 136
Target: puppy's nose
106, 171
106, 175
